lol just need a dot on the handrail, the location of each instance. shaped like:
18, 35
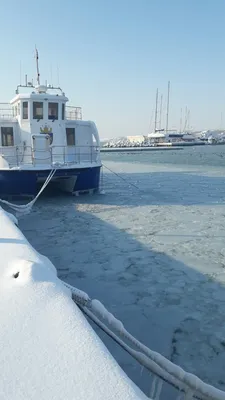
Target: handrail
6, 111
61, 155
71, 112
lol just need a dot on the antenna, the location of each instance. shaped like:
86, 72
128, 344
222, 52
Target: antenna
58, 75
156, 108
51, 74
37, 65
168, 104
26, 79
20, 72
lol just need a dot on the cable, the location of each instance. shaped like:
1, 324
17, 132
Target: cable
23, 208
128, 183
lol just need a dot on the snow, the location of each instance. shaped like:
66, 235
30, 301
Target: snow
100, 309
154, 257
48, 349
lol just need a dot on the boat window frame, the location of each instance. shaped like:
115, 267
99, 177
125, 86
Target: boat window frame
25, 108
69, 133
41, 106
53, 104
4, 135
63, 111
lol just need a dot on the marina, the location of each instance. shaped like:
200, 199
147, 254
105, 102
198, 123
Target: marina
112, 201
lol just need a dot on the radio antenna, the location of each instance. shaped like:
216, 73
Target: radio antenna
37, 66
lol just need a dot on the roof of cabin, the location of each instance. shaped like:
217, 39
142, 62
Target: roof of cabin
39, 97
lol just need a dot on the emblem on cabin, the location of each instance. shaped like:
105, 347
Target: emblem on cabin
47, 131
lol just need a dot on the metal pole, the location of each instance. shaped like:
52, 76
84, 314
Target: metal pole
156, 108
185, 122
189, 116
37, 65
168, 104
160, 113
180, 120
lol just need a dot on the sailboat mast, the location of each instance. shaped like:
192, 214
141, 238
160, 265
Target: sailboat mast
185, 121
188, 123
181, 120
168, 104
160, 112
156, 108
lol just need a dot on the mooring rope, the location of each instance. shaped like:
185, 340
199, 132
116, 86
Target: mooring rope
25, 208
164, 369
123, 179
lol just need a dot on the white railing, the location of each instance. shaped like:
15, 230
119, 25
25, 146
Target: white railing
55, 155
6, 111
73, 113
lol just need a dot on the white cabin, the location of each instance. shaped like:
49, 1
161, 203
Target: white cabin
38, 131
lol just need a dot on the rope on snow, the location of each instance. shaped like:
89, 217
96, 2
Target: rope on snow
188, 384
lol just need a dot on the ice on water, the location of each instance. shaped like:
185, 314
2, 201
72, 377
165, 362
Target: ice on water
152, 250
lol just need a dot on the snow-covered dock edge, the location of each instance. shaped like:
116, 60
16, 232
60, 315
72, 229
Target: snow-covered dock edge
90, 372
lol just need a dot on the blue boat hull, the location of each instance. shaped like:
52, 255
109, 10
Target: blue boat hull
28, 182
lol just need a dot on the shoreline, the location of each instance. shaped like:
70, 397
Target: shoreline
125, 149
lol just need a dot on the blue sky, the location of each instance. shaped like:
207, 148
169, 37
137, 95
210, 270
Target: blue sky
113, 54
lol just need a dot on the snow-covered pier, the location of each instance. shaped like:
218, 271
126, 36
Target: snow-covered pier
48, 349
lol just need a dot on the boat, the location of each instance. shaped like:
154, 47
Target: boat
40, 134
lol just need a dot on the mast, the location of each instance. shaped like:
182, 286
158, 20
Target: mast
160, 112
168, 103
156, 108
185, 121
188, 120
37, 66
181, 119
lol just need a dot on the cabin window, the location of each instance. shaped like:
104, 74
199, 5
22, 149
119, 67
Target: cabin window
53, 110
7, 136
63, 111
25, 109
70, 136
37, 110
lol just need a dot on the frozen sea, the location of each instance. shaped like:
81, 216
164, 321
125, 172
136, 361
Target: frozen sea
152, 249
